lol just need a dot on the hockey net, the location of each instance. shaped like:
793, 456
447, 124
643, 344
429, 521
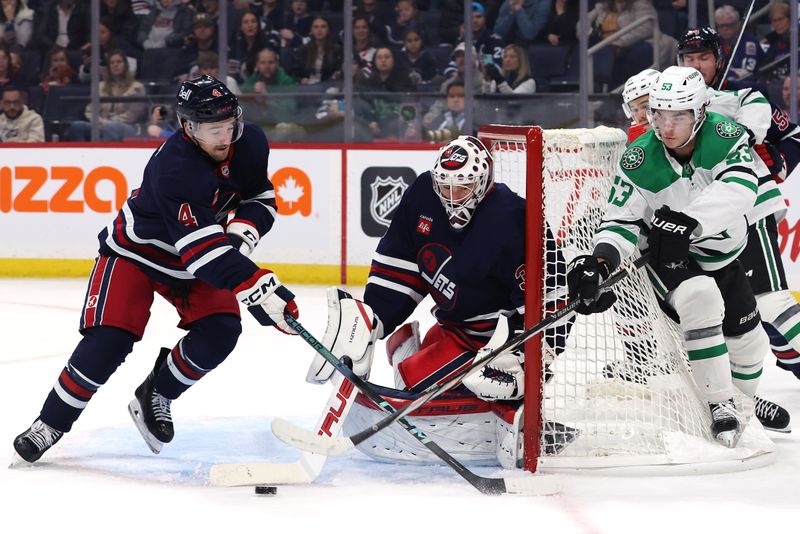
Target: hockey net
616, 394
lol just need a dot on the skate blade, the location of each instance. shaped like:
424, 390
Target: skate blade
729, 438
135, 409
785, 430
18, 462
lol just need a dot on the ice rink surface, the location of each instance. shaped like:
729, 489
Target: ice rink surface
101, 477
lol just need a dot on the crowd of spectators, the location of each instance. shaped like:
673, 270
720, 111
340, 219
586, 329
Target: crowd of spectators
292, 50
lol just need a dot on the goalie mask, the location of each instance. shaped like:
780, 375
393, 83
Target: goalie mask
211, 110
637, 86
676, 89
462, 176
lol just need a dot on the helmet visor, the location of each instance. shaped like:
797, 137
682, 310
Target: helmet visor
218, 133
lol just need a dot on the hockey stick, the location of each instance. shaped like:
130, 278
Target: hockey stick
286, 432
309, 466
303, 439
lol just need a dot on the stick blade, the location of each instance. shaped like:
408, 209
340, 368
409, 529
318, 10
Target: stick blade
533, 485
258, 474
303, 439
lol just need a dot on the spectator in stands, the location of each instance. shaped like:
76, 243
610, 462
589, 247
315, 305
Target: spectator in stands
202, 39
787, 93
560, 29
455, 69
270, 15
120, 19
775, 44
748, 53
364, 42
320, 59
632, 52
108, 42
8, 76
58, 71
249, 40
520, 21
268, 74
450, 124
296, 25
208, 63
406, 17
18, 124
378, 15
167, 25
414, 59
161, 124
65, 24
381, 113
118, 120
514, 78
451, 20
17, 20
486, 42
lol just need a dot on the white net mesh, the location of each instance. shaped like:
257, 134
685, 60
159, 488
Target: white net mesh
620, 394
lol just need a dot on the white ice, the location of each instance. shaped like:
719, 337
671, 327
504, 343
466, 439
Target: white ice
101, 477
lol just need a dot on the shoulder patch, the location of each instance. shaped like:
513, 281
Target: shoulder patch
728, 130
632, 158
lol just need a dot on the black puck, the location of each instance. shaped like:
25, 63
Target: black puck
266, 490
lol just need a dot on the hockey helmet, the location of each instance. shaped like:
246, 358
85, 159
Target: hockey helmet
679, 88
699, 40
637, 86
206, 99
462, 175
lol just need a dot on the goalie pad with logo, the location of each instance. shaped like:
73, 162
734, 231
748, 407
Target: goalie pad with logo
352, 330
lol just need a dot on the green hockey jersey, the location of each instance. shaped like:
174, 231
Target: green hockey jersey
717, 187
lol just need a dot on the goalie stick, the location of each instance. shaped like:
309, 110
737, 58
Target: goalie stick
293, 435
309, 466
525, 485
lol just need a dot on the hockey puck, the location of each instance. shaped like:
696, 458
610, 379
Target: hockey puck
266, 490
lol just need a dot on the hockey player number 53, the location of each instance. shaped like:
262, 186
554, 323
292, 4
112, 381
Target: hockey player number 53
620, 192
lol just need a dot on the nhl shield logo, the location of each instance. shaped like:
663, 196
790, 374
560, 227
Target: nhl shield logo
386, 195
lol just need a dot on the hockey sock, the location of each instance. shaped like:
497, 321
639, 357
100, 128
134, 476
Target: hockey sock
207, 344
747, 354
781, 310
708, 354
97, 356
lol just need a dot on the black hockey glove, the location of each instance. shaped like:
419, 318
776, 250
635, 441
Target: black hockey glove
670, 234
583, 280
773, 159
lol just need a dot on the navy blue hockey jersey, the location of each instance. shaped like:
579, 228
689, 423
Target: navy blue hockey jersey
173, 226
472, 275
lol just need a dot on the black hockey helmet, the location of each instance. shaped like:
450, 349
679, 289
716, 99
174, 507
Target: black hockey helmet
699, 39
206, 99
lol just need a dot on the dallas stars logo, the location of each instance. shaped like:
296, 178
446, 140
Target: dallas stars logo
632, 158
728, 130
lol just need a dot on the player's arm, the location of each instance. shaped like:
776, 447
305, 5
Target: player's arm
754, 113
732, 193
395, 287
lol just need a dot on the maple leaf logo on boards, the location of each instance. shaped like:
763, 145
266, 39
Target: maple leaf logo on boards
292, 191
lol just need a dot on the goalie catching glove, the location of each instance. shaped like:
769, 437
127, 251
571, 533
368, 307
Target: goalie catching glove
352, 330
503, 377
267, 300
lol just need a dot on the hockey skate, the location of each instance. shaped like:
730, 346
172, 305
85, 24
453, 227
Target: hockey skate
31, 444
725, 426
150, 411
772, 416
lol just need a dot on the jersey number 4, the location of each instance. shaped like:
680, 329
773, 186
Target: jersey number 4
186, 217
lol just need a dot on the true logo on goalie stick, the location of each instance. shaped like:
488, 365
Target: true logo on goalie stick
632, 158
728, 130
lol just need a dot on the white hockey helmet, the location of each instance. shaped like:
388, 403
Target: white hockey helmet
462, 175
679, 88
637, 86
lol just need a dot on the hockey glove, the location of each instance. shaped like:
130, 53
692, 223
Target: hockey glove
583, 280
243, 236
670, 235
773, 159
501, 379
267, 300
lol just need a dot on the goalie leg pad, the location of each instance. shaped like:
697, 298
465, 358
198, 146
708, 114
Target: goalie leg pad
404, 342
352, 330
508, 434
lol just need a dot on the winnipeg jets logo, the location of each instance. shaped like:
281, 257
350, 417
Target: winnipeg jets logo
728, 130
453, 158
632, 158
433, 260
